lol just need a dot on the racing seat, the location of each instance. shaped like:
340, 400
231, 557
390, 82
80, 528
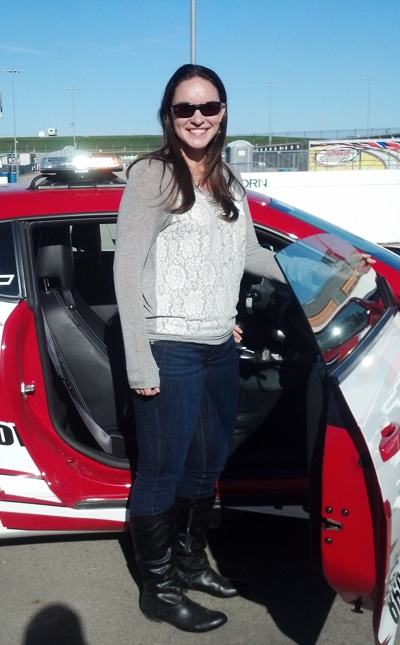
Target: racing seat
87, 353
93, 279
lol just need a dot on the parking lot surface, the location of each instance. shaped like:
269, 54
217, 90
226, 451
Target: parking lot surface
83, 592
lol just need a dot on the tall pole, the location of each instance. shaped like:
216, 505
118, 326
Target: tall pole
368, 79
193, 32
13, 72
270, 83
73, 90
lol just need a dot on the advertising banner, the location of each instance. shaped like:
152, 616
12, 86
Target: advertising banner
354, 154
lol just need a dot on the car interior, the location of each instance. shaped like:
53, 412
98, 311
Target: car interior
88, 394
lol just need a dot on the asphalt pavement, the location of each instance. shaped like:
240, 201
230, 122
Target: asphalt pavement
82, 591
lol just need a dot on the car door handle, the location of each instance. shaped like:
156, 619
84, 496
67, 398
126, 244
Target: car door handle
389, 445
246, 354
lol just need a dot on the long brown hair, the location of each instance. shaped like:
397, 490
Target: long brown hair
220, 180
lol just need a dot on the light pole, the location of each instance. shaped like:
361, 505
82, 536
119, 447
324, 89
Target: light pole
73, 90
270, 83
193, 32
368, 79
13, 72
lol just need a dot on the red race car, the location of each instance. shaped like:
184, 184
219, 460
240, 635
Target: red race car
318, 427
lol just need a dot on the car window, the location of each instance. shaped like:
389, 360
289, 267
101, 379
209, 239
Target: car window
337, 290
379, 252
108, 236
9, 282
92, 237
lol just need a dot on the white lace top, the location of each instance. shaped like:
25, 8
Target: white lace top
199, 264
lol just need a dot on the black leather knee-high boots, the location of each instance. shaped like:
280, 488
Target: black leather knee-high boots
162, 597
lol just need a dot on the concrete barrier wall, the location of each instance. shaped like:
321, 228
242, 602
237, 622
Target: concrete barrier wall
366, 202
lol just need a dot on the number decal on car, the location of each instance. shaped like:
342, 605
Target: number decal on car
6, 279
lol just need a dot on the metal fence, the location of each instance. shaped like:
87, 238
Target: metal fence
265, 160
354, 133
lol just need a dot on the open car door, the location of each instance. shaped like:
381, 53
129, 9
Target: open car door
353, 423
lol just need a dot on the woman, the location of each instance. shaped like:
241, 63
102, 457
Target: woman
184, 238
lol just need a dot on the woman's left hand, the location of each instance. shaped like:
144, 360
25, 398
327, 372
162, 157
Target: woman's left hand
365, 263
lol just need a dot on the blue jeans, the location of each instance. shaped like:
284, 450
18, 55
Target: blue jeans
184, 433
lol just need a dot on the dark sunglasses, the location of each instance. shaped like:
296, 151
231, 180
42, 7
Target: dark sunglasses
186, 110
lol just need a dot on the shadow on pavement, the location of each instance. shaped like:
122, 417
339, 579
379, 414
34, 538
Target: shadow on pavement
54, 624
272, 557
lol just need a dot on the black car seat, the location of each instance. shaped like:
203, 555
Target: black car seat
93, 278
86, 352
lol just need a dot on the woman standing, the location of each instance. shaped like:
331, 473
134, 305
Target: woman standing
184, 238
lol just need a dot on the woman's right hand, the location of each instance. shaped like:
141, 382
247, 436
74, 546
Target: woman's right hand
237, 334
147, 391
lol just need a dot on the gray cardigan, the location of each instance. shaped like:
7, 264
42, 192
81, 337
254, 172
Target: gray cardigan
177, 277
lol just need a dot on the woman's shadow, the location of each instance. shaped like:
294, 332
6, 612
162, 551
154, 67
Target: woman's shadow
56, 623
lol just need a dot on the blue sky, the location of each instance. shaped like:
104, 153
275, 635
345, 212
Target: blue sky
120, 53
